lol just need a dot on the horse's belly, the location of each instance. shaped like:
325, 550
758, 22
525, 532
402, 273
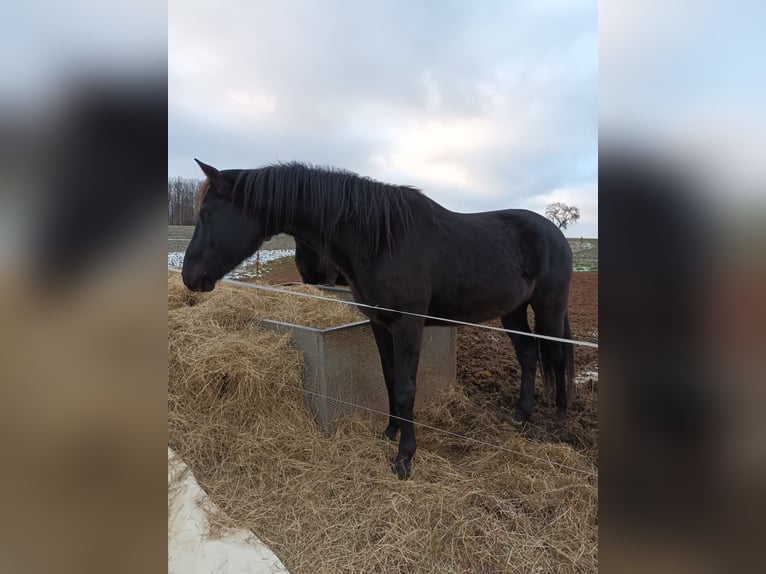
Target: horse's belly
477, 307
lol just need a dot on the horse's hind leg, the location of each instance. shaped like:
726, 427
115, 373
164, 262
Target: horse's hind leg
526, 352
385, 345
557, 359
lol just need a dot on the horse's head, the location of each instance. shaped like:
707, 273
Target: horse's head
224, 235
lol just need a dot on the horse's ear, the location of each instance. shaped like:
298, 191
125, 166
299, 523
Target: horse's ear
212, 173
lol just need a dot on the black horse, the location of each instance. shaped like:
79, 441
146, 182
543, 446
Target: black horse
315, 268
400, 250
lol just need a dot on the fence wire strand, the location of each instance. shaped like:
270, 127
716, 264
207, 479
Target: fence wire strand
453, 434
379, 308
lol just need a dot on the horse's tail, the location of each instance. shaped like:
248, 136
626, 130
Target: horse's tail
556, 356
569, 376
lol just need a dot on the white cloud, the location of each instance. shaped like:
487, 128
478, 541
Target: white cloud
484, 106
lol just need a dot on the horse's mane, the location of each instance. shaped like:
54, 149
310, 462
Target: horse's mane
201, 193
380, 211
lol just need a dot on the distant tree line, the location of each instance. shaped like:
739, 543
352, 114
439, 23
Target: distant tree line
182, 193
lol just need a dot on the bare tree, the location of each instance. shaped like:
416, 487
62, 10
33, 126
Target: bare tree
562, 214
181, 195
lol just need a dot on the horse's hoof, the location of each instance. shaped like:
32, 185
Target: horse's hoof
519, 418
402, 468
389, 434
561, 414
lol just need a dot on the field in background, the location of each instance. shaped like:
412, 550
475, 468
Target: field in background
180, 235
585, 250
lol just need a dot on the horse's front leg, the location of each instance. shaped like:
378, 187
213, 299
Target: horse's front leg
385, 345
407, 334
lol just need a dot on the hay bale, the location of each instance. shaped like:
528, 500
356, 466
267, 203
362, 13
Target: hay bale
237, 416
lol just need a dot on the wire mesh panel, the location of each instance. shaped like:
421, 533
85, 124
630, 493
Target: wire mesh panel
437, 369
310, 343
353, 371
343, 363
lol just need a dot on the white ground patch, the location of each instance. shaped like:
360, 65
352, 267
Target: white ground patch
192, 548
581, 247
586, 376
248, 268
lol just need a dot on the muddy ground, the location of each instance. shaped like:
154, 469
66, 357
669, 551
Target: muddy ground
489, 372
487, 368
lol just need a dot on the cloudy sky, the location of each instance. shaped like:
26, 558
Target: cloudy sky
483, 105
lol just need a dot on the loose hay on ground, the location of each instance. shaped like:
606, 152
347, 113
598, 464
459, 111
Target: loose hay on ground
330, 503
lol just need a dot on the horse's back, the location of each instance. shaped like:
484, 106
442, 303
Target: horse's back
480, 265
529, 241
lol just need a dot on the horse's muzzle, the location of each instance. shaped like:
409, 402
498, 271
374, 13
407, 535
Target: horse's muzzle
198, 281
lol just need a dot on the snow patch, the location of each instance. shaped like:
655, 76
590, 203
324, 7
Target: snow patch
193, 548
586, 377
245, 269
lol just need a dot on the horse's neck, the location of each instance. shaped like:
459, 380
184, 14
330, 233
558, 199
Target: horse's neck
311, 234
339, 245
